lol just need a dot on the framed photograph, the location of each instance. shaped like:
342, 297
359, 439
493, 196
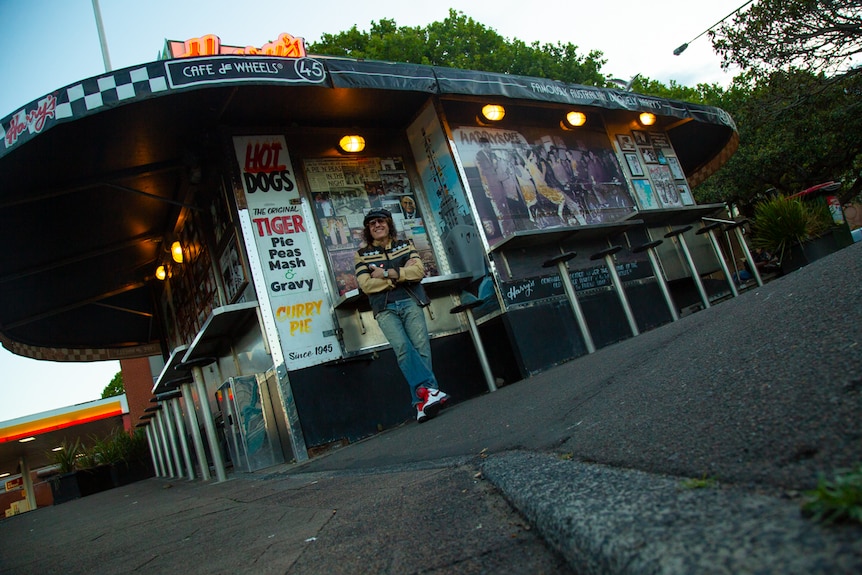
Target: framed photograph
641, 138
634, 164
644, 195
232, 271
664, 186
659, 139
675, 168
649, 155
662, 159
685, 195
627, 144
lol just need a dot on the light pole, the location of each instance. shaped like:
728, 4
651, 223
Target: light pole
101, 29
679, 50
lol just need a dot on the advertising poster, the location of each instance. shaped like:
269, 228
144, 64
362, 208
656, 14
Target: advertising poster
343, 190
290, 275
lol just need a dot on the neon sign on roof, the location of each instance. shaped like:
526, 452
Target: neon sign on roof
286, 46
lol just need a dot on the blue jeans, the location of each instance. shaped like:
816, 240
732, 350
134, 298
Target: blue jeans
403, 324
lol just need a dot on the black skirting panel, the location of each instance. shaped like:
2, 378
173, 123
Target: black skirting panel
360, 397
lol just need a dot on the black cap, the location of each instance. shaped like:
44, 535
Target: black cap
376, 213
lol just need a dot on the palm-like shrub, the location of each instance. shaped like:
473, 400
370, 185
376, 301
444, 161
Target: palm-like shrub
782, 222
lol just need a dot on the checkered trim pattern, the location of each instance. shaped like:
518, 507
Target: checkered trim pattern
93, 93
81, 99
78, 354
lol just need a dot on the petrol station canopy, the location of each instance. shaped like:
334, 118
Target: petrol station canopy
95, 176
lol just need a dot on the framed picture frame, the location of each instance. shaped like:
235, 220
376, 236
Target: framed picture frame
675, 168
634, 165
659, 139
626, 142
641, 138
646, 198
233, 271
649, 155
685, 194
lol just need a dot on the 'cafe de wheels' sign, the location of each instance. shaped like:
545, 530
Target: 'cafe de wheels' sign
286, 46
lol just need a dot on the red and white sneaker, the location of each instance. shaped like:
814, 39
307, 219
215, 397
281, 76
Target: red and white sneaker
430, 403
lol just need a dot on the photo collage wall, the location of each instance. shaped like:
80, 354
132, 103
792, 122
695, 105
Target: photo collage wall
343, 190
656, 174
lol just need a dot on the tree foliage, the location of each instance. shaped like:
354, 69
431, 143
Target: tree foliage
818, 36
461, 42
796, 130
115, 387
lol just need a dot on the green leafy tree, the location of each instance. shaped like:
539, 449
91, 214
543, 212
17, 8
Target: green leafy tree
115, 387
817, 36
461, 42
796, 130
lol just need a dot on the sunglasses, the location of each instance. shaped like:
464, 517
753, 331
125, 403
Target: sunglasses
376, 221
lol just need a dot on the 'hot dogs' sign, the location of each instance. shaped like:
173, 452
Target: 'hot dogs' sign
291, 279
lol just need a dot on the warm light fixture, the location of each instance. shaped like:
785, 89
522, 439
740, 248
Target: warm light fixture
58, 448
352, 143
161, 273
26, 439
576, 119
7, 474
493, 112
177, 252
647, 118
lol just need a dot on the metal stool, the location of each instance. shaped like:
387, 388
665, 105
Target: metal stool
466, 306
560, 262
649, 248
737, 228
710, 231
679, 234
618, 285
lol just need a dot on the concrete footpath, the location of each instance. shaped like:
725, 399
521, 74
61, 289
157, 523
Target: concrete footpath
581, 469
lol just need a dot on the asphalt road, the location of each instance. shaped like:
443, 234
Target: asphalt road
581, 469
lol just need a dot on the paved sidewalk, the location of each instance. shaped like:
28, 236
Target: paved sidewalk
761, 394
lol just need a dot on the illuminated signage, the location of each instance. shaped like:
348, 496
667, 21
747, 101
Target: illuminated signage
286, 46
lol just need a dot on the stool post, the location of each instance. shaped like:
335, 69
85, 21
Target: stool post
618, 286
721, 261
751, 263
468, 302
195, 430
480, 350
694, 274
662, 284
576, 306
181, 432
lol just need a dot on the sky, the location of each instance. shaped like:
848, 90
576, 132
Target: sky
48, 44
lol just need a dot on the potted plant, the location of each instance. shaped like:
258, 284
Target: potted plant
792, 230
64, 485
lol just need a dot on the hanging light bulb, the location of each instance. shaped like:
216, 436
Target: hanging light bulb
161, 273
647, 118
177, 252
352, 143
575, 118
493, 112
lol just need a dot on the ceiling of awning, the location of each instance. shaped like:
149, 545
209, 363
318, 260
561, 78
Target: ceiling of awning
86, 204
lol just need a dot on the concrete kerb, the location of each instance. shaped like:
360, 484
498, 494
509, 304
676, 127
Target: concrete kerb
607, 520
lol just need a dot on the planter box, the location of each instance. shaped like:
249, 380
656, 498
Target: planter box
95, 479
802, 254
64, 487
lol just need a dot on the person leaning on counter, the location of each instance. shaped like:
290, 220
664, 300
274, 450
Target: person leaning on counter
389, 271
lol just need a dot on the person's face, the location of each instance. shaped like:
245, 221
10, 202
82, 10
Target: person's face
379, 229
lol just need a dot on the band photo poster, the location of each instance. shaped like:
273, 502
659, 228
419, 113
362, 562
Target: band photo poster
529, 179
343, 190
